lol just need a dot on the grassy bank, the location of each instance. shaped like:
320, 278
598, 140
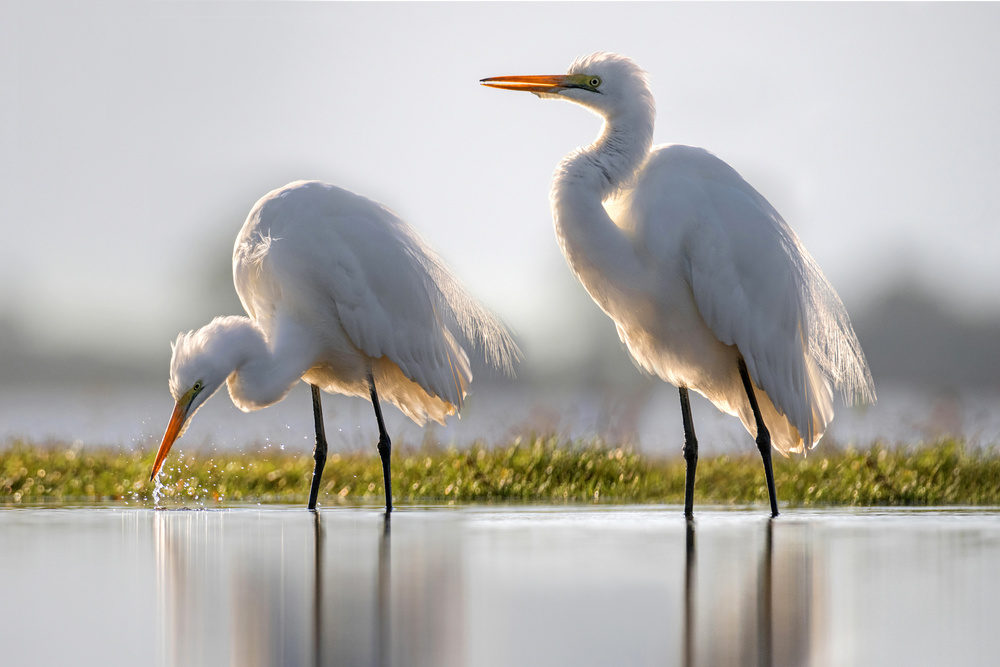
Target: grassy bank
545, 470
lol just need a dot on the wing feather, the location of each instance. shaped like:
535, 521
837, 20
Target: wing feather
754, 283
345, 261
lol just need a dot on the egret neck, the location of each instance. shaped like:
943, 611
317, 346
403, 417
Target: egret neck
262, 373
596, 249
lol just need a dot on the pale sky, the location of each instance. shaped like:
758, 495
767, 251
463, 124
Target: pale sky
135, 137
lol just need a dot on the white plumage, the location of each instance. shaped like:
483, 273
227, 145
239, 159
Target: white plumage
360, 277
725, 277
343, 294
696, 268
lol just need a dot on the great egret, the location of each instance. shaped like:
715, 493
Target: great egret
343, 294
709, 287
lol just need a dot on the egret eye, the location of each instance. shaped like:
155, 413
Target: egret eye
595, 81
198, 386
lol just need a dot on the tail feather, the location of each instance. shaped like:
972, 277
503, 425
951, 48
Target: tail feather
787, 436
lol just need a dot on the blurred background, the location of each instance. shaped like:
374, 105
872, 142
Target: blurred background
135, 137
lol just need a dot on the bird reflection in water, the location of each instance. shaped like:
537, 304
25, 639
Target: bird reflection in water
317, 634
455, 588
690, 560
768, 627
765, 608
383, 617
272, 587
384, 621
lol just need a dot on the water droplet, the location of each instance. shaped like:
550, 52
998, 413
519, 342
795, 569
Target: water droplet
157, 487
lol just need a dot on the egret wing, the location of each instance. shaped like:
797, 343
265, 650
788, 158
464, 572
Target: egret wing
744, 267
357, 265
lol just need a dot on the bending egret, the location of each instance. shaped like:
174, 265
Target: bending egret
345, 295
709, 287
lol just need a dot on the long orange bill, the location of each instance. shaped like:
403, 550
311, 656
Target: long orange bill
536, 83
174, 428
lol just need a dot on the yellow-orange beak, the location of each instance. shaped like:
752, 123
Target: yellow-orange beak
535, 83
174, 428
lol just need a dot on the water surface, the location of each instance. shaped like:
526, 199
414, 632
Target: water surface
498, 586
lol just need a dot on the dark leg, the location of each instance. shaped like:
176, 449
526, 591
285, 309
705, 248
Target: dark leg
384, 446
690, 453
319, 455
763, 438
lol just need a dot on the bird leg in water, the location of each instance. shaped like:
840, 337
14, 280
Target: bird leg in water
690, 452
384, 445
320, 454
763, 438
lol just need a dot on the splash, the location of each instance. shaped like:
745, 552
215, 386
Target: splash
157, 490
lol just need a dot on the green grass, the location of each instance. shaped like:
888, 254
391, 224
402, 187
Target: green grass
535, 469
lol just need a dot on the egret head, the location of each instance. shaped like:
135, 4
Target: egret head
606, 83
200, 362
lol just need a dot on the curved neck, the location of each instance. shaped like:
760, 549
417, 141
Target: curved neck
263, 371
609, 164
598, 251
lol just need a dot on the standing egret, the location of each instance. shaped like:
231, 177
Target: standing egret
343, 294
709, 288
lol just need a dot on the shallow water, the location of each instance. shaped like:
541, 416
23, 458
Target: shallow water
498, 586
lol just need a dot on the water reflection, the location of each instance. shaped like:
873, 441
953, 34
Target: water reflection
690, 560
492, 588
382, 595
317, 644
384, 601
525, 586
765, 588
756, 618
